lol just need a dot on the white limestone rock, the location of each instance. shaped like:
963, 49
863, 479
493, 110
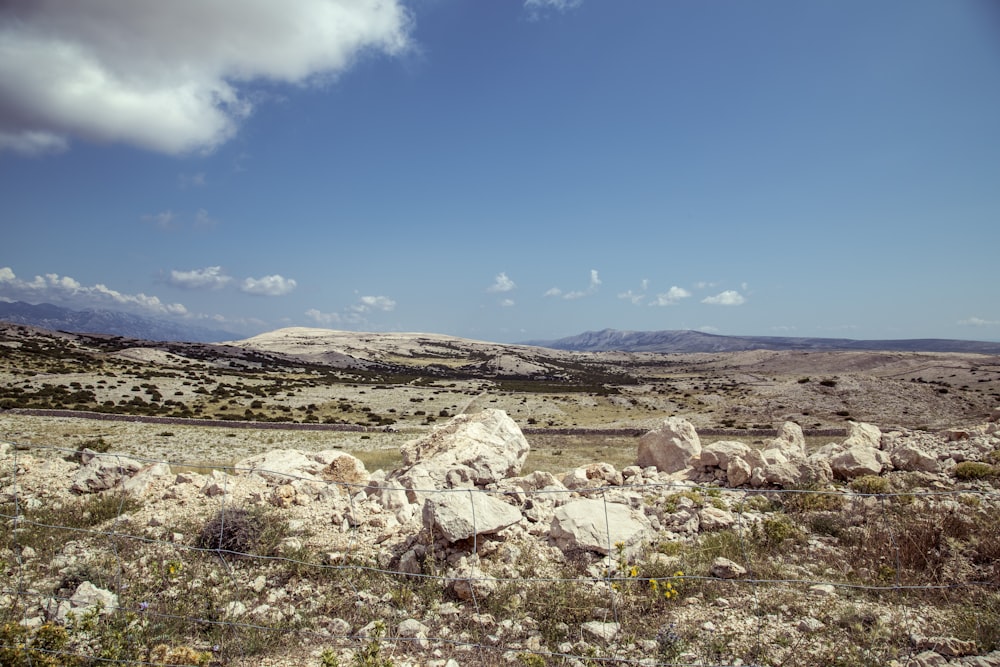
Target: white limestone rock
856, 461
595, 525
860, 434
101, 472
912, 458
459, 516
672, 447
470, 450
720, 453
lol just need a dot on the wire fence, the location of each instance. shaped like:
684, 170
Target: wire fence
171, 564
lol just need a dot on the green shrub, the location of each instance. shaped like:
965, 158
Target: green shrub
969, 470
871, 484
43, 646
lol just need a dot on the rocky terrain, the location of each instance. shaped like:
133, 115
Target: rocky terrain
438, 542
877, 549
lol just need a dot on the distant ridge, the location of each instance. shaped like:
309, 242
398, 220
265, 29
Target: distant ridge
115, 323
696, 341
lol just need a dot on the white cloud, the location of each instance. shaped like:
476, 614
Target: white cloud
507, 303
192, 180
702, 284
727, 298
369, 303
636, 297
501, 284
67, 291
204, 220
707, 328
211, 277
163, 219
171, 76
977, 322
326, 319
31, 142
353, 315
595, 282
538, 8
268, 285
629, 295
670, 297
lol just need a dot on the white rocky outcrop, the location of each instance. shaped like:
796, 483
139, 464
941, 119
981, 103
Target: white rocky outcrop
468, 451
596, 525
101, 472
856, 462
286, 466
672, 447
860, 434
459, 515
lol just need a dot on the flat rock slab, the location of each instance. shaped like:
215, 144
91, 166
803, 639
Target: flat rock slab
596, 525
459, 515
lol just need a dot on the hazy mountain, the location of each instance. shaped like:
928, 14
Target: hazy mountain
697, 341
116, 323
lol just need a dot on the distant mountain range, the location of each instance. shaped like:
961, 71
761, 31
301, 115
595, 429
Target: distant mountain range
697, 341
115, 323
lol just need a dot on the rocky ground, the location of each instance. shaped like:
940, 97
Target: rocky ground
879, 548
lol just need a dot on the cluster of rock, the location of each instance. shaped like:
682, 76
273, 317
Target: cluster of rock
460, 497
783, 462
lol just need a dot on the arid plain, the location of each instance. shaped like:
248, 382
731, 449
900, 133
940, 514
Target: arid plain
391, 387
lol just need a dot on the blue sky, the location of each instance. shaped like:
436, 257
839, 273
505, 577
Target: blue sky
508, 170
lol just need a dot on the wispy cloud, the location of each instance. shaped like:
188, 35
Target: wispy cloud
203, 220
275, 285
636, 297
211, 278
162, 220
369, 303
69, 292
197, 180
61, 76
354, 315
507, 303
595, 282
501, 284
671, 297
727, 298
629, 295
331, 319
978, 322
536, 9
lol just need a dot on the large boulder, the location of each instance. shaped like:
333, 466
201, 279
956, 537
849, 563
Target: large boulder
596, 525
459, 515
913, 458
856, 462
790, 441
470, 450
672, 447
100, 472
720, 453
860, 434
